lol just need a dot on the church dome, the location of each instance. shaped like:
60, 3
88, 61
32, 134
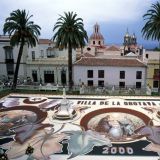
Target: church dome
96, 34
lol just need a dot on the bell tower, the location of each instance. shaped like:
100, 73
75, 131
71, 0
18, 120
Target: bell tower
96, 39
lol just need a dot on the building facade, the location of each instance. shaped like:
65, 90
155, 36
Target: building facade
152, 59
41, 64
97, 64
130, 45
47, 64
121, 73
8, 59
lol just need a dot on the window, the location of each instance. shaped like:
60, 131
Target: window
8, 52
156, 71
139, 75
155, 84
147, 56
90, 73
93, 42
122, 74
33, 55
99, 42
50, 53
88, 49
90, 83
100, 73
49, 76
63, 77
10, 68
138, 84
42, 53
121, 84
34, 75
9, 59
101, 83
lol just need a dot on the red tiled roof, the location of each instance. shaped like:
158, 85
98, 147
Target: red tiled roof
87, 55
112, 48
44, 41
84, 55
109, 62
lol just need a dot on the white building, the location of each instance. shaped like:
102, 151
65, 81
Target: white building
43, 64
8, 59
110, 72
151, 55
104, 65
47, 64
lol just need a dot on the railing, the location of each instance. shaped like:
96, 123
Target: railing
86, 90
110, 90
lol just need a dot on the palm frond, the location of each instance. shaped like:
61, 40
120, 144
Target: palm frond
19, 24
151, 29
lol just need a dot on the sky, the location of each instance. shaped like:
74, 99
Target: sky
113, 16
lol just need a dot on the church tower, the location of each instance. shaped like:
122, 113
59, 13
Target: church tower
130, 43
127, 39
134, 39
96, 39
130, 39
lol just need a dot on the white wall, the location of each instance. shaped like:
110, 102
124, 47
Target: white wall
111, 75
152, 55
56, 51
22, 69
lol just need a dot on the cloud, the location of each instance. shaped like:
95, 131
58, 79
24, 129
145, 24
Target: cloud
46, 12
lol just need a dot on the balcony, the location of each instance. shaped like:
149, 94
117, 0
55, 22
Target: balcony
156, 76
9, 60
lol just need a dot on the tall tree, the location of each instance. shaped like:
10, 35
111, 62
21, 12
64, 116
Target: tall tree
21, 31
70, 33
151, 29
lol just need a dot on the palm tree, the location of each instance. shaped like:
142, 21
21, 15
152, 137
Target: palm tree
151, 29
21, 31
70, 34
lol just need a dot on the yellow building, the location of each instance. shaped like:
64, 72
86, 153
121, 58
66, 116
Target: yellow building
153, 74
